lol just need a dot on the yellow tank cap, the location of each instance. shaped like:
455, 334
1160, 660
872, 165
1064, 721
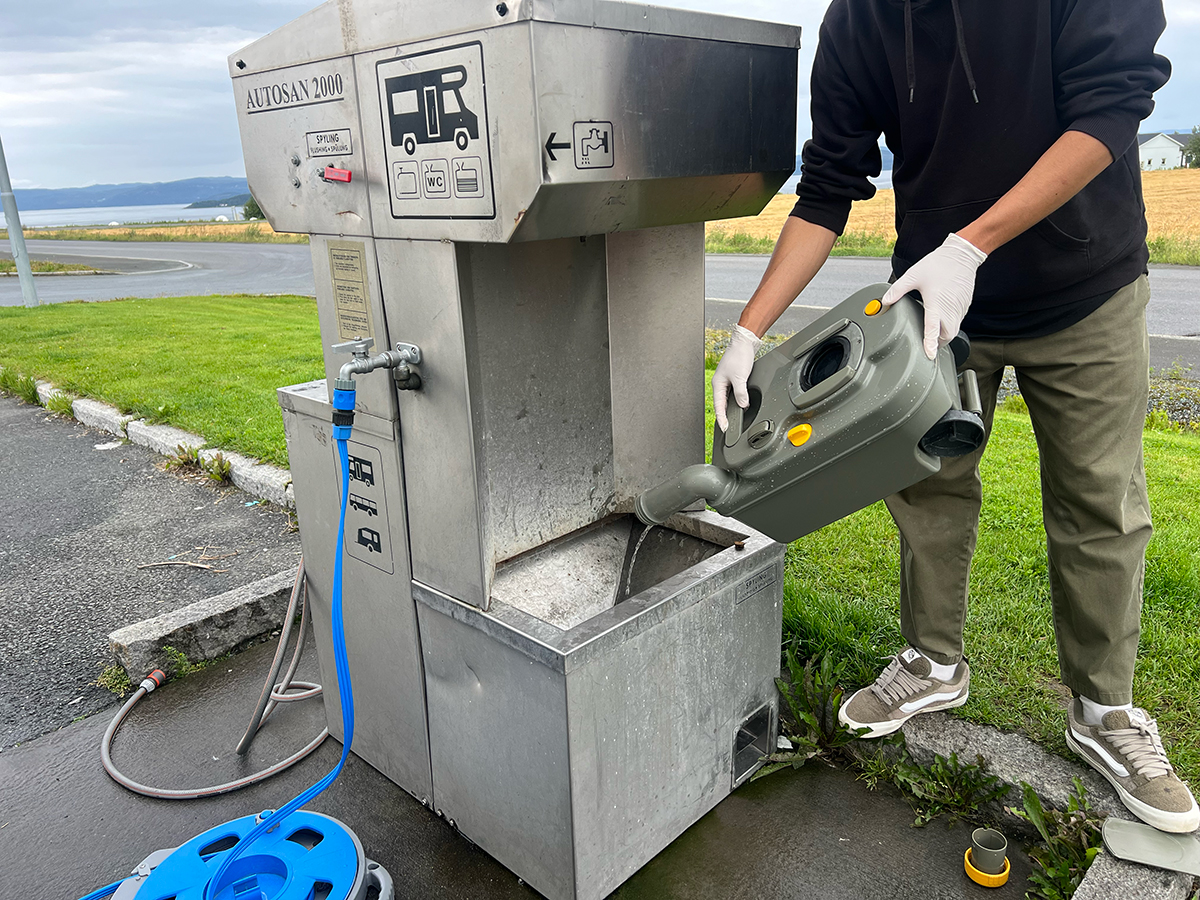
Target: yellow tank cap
800, 434
873, 307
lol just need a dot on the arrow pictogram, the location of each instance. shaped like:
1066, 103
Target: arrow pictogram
551, 146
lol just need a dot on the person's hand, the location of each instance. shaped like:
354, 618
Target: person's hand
946, 281
732, 372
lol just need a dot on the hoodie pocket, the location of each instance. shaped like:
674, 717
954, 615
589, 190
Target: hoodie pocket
1041, 260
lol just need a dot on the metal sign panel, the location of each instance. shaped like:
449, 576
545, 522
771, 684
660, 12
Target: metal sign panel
435, 134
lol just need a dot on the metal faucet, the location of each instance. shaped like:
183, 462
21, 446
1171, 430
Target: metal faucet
399, 359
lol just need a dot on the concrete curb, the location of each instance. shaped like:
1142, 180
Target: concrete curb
1014, 758
203, 630
256, 478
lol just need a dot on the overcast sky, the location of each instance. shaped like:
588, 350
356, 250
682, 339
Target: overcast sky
138, 90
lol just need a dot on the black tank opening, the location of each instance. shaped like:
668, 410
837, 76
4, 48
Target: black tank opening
830, 355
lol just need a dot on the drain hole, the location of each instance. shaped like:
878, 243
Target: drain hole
829, 356
219, 845
750, 744
306, 838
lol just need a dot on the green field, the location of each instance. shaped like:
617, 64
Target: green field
211, 365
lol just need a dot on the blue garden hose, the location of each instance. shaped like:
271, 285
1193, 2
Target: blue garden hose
343, 419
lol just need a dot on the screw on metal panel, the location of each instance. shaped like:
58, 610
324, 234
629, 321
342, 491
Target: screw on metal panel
502, 8
295, 181
295, 159
241, 64
739, 545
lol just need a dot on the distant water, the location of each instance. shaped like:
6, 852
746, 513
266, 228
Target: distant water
123, 215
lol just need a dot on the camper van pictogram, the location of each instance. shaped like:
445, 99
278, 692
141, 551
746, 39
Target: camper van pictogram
428, 108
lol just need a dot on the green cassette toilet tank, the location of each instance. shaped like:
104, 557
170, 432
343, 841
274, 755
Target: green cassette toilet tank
842, 414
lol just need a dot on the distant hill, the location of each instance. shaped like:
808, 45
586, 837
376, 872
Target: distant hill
236, 200
189, 190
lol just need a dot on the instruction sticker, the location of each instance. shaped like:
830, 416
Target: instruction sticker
435, 134
351, 298
329, 143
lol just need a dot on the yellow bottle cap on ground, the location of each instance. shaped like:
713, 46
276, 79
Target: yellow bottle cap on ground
800, 434
873, 307
983, 878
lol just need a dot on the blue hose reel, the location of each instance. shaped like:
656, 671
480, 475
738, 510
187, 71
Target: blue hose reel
309, 857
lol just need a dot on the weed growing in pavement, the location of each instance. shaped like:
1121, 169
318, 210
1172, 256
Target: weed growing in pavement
184, 457
115, 679
1070, 841
216, 467
1178, 370
60, 404
813, 699
177, 664
946, 787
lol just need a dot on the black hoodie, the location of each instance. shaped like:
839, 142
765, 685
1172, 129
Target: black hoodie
1039, 68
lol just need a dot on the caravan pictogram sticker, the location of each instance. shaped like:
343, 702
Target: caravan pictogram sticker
436, 140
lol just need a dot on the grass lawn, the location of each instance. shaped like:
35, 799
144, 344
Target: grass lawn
40, 267
841, 589
207, 364
212, 364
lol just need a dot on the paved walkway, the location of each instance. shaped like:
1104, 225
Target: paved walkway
80, 511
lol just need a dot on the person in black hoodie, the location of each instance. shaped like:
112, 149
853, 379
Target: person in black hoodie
1020, 219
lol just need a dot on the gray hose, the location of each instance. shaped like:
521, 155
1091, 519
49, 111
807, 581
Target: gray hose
272, 694
699, 482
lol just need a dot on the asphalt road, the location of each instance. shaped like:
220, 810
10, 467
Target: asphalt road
79, 512
180, 269
158, 269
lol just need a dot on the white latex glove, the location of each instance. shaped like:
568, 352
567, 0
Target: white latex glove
732, 371
946, 281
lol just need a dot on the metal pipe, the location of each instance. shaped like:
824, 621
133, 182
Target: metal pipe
699, 482
388, 359
15, 235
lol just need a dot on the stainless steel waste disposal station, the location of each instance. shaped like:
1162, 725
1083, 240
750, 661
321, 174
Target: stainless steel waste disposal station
519, 189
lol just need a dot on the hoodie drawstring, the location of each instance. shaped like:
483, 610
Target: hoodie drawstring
962, 48
909, 64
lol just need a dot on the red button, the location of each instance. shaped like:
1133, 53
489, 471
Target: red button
332, 174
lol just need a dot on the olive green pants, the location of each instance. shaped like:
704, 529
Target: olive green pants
1086, 388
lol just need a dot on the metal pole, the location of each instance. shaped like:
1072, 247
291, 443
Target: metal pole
16, 236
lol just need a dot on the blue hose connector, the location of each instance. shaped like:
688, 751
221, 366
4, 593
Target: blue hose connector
343, 412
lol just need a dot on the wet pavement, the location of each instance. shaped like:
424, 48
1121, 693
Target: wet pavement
65, 828
81, 517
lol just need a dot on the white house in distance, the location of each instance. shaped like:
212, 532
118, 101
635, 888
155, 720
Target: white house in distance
1161, 150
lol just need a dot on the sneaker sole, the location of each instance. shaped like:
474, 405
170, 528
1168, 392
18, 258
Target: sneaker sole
1175, 823
882, 729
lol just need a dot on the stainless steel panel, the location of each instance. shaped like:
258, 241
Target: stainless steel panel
338, 306
656, 353
438, 425
380, 621
715, 140
641, 704
283, 115
341, 27
537, 324
501, 762
653, 724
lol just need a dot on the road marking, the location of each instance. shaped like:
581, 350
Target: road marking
744, 302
